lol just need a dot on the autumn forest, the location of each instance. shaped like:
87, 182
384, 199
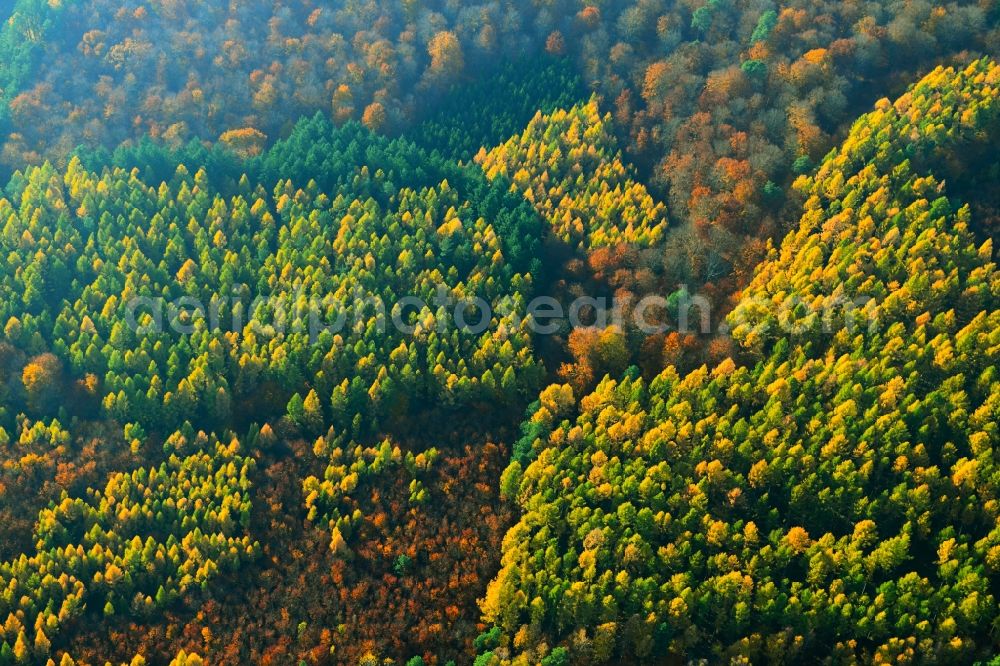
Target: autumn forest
519, 333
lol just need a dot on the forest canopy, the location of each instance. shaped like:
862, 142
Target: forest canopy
504, 333
834, 500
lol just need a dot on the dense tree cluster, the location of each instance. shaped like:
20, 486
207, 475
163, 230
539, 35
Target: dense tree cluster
144, 540
405, 585
23, 34
611, 235
373, 219
721, 102
351, 467
265, 272
41, 459
569, 166
180, 70
182, 659
222, 255
332, 157
835, 499
725, 100
490, 110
